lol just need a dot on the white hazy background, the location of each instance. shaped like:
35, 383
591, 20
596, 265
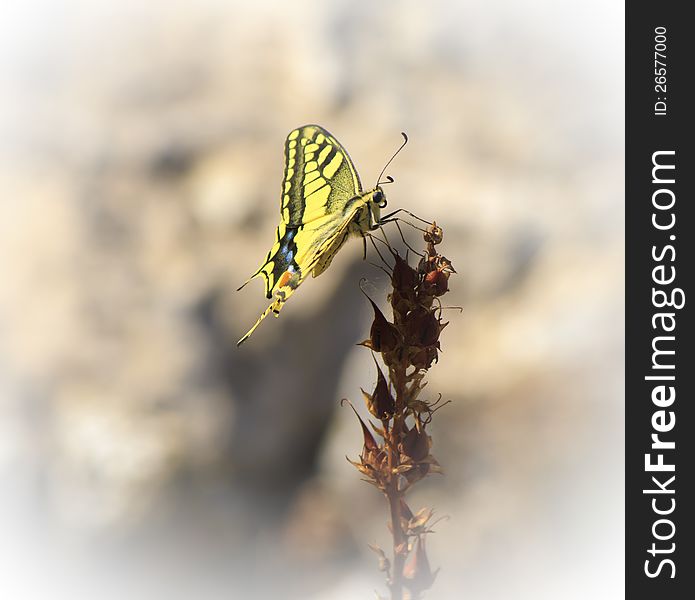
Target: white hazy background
143, 456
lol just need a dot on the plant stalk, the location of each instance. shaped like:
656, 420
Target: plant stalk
400, 539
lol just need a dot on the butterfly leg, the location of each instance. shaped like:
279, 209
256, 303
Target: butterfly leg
400, 231
372, 239
390, 216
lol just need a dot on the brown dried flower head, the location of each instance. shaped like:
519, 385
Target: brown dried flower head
397, 454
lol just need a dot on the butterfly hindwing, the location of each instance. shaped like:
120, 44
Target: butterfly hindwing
281, 258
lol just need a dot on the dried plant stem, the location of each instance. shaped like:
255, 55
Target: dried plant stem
403, 456
400, 540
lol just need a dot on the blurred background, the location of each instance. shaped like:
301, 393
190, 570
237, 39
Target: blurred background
143, 455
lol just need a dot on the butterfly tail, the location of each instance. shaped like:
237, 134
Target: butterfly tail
275, 308
272, 308
288, 283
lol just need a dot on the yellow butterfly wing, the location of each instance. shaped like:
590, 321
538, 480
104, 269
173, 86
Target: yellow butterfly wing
321, 196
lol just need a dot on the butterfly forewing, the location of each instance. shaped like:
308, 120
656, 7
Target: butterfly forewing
319, 176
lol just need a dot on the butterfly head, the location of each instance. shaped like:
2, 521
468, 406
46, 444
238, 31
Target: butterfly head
378, 197
376, 200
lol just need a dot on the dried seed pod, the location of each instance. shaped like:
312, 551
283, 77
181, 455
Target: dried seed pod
416, 444
418, 573
434, 234
401, 304
384, 563
380, 403
370, 444
418, 472
422, 358
437, 282
404, 277
383, 335
421, 327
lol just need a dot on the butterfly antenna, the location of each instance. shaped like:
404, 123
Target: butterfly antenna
390, 179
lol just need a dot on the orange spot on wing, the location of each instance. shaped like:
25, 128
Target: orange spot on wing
284, 279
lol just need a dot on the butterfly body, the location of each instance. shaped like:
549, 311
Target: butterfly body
323, 204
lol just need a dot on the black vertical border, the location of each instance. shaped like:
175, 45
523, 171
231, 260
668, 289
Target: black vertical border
647, 133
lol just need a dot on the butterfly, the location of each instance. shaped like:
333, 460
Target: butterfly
322, 205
